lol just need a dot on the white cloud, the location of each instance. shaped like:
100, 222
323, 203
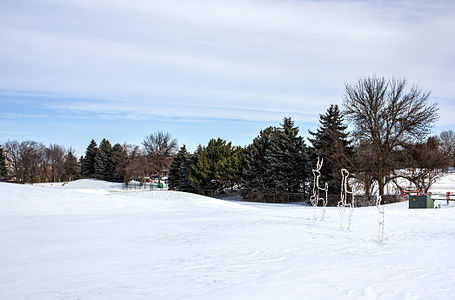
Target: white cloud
253, 60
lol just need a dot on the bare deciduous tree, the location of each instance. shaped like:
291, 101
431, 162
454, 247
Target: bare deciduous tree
55, 160
388, 115
447, 145
363, 163
26, 159
137, 166
160, 147
422, 164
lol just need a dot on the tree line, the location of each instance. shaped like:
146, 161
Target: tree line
123, 163
389, 140
382, 134
30, 161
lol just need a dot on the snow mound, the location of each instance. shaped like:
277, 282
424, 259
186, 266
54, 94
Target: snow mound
88, 185
61, 243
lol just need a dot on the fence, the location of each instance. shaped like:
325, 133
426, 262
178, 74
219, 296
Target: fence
275, 198
148, 186
333, 199
362, 200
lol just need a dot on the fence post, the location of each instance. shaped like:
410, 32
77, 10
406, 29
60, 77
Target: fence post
448, 197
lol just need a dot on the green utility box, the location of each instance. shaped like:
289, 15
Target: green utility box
421, 201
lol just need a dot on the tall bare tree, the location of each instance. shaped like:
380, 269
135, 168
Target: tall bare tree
447, 145
160, 148
137, 165
422, 164
387, 114
55, 160
363, 164
26, 159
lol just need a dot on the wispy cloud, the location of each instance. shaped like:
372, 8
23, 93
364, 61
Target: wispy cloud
19, 115
249, 60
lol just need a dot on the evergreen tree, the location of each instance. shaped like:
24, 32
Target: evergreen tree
330, 142
110, 167
100, 164
89, 160
103, 161
199, 175
218, 153
276, 162
178, 170
82, 164
288, 159
3, 168
257, 174
216, 167
71, 167
183, 183
119, 161
236, 165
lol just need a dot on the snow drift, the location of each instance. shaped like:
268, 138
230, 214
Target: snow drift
90, 240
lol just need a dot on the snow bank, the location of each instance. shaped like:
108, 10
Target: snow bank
61, 243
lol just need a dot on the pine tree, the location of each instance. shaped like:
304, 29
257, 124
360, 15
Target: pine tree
257, 174
216, 167
276, 162
218, 153
103, 161
288, 159
183, 183
330, 142
109, 168
119, 162
3, 168
199, 175
89, 160
236, 165
82, 164
71, 167
178, 170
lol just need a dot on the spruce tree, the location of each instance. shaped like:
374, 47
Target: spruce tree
3, 168
183, 183
257, 174
89, 160
288, 159
82, 164
330, 142
71, 167
103, 161
178, 170
109, 168
276, 162
119, 161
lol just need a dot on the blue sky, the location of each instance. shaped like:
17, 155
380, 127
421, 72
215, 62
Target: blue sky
73, 70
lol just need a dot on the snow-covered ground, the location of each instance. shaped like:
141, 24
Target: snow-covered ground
90, 240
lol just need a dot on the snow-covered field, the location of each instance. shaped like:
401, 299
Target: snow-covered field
90, 240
